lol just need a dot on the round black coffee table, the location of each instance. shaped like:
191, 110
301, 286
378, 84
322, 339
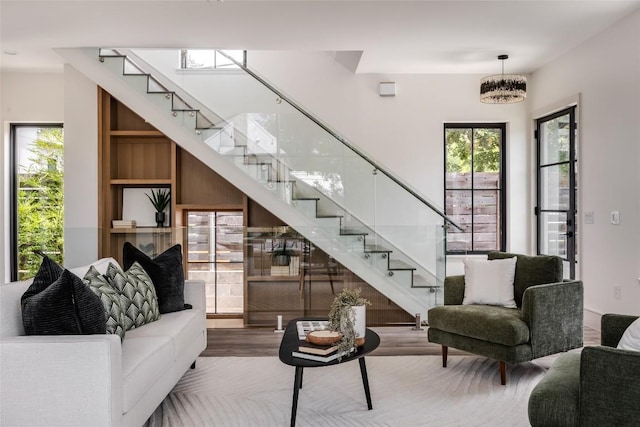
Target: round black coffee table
290, 343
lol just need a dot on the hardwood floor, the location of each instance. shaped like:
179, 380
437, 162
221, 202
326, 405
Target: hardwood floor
394, 341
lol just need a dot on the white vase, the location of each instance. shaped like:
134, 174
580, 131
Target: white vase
359, 316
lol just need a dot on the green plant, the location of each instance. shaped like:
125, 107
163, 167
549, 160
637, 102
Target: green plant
159, 199
41, 202
341, 316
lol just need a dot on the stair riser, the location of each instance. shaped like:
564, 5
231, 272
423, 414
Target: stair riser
185, 119
331, 225
260, 173
306, 207
402, 278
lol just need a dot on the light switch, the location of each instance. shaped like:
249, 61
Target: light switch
615, 217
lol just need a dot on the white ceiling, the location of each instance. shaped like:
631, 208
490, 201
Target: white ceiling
393, 36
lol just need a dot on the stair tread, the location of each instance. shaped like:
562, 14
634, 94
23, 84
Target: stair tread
377, 249
352, 232
279, 181
306, 198
329, 216
399, 265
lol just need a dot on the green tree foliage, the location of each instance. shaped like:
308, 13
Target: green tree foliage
485, 150
40, 202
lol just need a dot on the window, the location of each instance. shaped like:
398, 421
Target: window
36, 197
206, 59
474, 186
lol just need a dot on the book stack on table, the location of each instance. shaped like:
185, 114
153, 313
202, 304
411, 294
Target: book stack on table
319, 353
309, 351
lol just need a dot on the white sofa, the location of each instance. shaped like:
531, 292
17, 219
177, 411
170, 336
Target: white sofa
94, 380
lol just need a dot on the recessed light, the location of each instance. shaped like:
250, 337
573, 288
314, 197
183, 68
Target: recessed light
10, 52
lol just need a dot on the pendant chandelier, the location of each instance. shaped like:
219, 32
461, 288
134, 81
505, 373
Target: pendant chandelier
503, 88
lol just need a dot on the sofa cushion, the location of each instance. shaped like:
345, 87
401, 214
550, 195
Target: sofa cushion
144, 361
59, 303
111, 300
489, 282
495, 324
166, 272
11, 313
100, 265
138, 296
554, 400
531, 270
631, 337
182, 327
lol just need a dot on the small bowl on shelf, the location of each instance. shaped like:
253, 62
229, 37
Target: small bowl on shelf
324, 337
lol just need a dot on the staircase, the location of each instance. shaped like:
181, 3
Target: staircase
331, 193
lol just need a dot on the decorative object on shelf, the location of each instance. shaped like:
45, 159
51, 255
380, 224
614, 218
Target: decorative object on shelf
123, 223
281, 256
503, 88
348, 316
160, 199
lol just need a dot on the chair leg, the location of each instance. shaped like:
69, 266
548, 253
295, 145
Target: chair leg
444, 355
503, 372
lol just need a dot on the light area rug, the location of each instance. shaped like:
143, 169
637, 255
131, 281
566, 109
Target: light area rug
405, 390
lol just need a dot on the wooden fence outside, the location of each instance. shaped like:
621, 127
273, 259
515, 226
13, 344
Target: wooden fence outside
479, 208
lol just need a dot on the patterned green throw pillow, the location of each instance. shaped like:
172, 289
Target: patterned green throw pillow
111, 301
138, 295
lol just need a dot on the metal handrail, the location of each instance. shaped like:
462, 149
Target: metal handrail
339, 138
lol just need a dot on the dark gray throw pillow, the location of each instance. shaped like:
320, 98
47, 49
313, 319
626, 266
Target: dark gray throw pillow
165, 272
59, 303
111, 301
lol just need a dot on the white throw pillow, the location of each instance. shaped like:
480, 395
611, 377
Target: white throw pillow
489, 281
631, 338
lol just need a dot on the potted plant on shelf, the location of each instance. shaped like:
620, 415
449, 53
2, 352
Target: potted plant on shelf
348, 316
160, 199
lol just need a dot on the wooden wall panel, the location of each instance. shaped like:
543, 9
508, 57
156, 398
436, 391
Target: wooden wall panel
199, 185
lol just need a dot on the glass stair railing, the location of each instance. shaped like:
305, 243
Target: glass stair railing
357, 207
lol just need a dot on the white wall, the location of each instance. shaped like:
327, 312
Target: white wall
25, 97
81, 169
605, 71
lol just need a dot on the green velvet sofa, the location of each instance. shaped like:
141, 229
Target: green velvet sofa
598, 387
548, 318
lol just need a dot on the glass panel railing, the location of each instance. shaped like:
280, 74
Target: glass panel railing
254, 272
275, 141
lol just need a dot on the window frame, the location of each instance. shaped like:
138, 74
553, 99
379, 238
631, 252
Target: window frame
501, 190
215, 68
13, 191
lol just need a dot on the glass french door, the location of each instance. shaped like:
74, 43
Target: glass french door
215, 255
556, 187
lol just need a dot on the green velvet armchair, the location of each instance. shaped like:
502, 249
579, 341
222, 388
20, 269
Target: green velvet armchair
548, 318
598, 387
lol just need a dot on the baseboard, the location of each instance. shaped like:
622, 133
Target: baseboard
592, 319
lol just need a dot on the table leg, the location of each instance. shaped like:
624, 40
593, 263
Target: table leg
297, 383
365, 382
